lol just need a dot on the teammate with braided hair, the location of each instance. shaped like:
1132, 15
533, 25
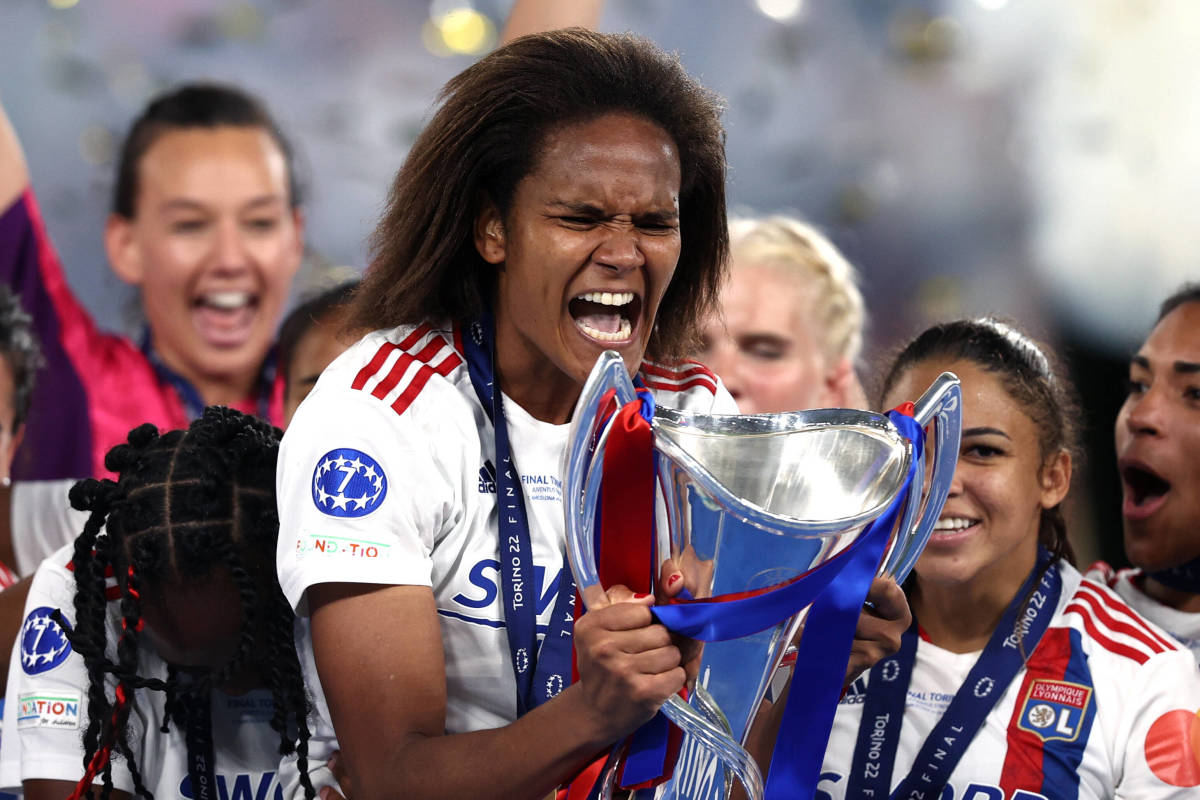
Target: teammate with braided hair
171, 587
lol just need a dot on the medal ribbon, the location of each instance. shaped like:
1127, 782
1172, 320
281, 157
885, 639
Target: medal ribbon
198, 737
997, 666
540, 674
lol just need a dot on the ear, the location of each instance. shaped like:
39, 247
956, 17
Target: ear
842, 388
489, 234
124, 255
1056, 478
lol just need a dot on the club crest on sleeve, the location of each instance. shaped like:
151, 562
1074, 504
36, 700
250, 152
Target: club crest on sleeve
1055, 709
43, 644
348, 483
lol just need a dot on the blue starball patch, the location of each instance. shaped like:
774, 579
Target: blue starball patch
348, 483
43, 644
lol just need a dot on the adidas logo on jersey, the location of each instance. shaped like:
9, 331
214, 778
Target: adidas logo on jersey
857, 693
487, 478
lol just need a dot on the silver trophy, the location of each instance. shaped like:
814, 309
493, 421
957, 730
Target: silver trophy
747, 502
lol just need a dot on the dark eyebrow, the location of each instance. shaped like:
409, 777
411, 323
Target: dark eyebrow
984, 431
584, 209
754, 337
1182, 367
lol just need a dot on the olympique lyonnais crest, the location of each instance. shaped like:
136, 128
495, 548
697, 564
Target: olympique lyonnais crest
1055, 709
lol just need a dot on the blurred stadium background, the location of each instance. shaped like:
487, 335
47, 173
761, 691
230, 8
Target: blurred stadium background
1031, 159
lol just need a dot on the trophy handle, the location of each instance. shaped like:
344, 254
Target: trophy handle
581, 489
941, 405
581, 483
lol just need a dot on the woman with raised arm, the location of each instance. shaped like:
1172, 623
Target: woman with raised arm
1018, 679
205, 221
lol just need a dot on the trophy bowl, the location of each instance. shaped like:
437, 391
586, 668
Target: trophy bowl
749, 503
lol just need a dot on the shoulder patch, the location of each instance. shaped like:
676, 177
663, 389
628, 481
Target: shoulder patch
43, 644
49, 709
348, 483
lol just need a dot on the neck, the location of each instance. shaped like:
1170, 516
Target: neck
532, 381
1172, 598
958, 619
222, 392
961, 616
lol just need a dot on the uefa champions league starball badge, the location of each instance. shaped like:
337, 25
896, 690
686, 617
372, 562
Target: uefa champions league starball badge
348, 483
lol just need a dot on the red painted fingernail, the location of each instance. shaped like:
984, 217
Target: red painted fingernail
671, 580
640, 595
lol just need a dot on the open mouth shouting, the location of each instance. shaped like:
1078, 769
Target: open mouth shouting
1144, 489
609, 318
225, 318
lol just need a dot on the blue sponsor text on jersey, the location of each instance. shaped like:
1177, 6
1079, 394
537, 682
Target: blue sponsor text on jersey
245, 786
973, 791
484, 576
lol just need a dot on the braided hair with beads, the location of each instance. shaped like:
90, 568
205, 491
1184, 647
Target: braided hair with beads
186, 505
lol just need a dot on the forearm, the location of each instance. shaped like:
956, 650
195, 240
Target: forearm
536, 16
525, 759
14, 173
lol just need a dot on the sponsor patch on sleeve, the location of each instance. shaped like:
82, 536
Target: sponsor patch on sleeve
348, 483
43, 644
49, 709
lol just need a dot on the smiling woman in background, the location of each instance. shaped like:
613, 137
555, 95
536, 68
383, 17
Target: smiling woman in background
206, 222
1016, 674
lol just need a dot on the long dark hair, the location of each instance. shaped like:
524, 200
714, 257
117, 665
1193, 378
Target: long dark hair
487, 135
1029, 375
185, 504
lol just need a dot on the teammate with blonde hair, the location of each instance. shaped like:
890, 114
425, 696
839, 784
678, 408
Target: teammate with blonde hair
792, 320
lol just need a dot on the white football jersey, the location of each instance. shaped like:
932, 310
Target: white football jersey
45, 712
1106, 707
1183, 625
387, 476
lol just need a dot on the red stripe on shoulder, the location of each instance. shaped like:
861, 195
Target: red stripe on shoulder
1100, 638
1126, 617
684, 369
436, 357
681, 387
386, 349
431, 349
443, 368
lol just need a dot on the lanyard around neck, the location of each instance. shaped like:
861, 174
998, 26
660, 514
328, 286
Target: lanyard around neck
999, 663
540, 674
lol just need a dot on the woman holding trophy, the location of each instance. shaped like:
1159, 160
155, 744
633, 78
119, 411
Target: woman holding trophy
567, 198
1017, 677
